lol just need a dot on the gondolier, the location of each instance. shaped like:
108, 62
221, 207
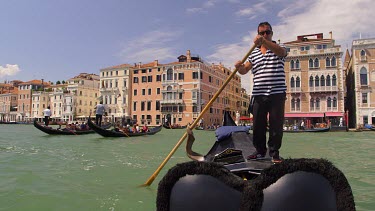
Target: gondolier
267, 65
47, 115
100, 110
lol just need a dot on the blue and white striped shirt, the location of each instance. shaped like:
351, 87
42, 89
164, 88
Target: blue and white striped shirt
269, 74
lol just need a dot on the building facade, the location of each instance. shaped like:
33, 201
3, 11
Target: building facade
315, 82
360, 76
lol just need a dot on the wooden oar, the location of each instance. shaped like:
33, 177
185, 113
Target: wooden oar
153, 176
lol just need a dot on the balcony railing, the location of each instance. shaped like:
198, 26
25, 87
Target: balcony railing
323, 89
295, 89
179, 101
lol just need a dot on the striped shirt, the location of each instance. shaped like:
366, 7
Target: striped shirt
269, 74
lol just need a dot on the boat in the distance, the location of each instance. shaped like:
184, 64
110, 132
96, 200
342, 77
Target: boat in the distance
169, 126
65, 131
313, 130
224, 179
118, 133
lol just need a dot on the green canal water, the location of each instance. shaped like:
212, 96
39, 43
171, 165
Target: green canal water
42, 172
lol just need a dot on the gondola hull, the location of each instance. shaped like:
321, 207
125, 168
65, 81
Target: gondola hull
174, 127
52, 131
316, 130
112, 133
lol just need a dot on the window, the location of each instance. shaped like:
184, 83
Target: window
316, 63
135, 92
135, 106
333, 62
169, 74
158, 77
293, 105
210, 79
363, 53
144, 79
292, 64
142, 106
143, 91
311, 63
158, 91
322, 80
148, 105
297, 64
312, 104
335, 102
135, 79
135, 71
317, 103
298, 105
329, 103
195, 75
311, 81
328, 80
180, 76
157, 106
298, 82
363, 76
292, 82
144, 70
149, 78
364, 97
328, 62
316, 81
149, 91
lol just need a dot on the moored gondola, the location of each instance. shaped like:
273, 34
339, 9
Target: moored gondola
227, 181
53, 131
118, 133
314, 130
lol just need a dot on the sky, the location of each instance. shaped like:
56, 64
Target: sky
58, 39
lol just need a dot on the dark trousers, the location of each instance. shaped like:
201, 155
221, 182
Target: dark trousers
46, 120
98, 119
273, 107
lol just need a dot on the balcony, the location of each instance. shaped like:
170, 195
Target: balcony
324, 89
295, 89
363, 58
108, 89
170, 101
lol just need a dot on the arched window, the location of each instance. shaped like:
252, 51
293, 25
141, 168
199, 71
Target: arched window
169, 74
333, 62
363, 53
298, 82
322, 80
317, 103
316, 81
292, 64
329, 102
311, 63
363, 76
334, 102
328, 62
298, 104
292, 82
328, 80
297, 64
312, 104
334, 80
293, 105
311, 81
316, 62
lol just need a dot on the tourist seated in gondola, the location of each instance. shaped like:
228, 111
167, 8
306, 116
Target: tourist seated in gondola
134, 129
145, 128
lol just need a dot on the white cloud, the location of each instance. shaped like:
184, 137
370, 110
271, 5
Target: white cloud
150, 46
202, 9
9, 70
346, 19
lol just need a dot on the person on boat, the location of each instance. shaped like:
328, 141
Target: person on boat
47, 115
302, 127
100, 110
145, 128
269, 91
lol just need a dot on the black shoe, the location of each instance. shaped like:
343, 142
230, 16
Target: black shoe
275, 157
256, 156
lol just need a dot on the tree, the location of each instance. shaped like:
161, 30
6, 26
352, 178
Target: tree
63, 82
58, 82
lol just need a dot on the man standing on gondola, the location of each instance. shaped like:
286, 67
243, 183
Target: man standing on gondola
266, 63
100, 110
47, 115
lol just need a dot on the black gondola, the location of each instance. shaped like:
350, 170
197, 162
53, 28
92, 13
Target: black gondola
52, 131
174, 126
315, 130
227, 181
114, 133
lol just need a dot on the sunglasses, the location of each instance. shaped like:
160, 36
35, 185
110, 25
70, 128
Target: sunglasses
268, 32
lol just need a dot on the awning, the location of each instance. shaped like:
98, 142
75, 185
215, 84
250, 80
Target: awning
334, 114
245, 118
304, 115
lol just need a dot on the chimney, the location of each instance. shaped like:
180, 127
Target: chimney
156, 63
188, 55
139, 64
